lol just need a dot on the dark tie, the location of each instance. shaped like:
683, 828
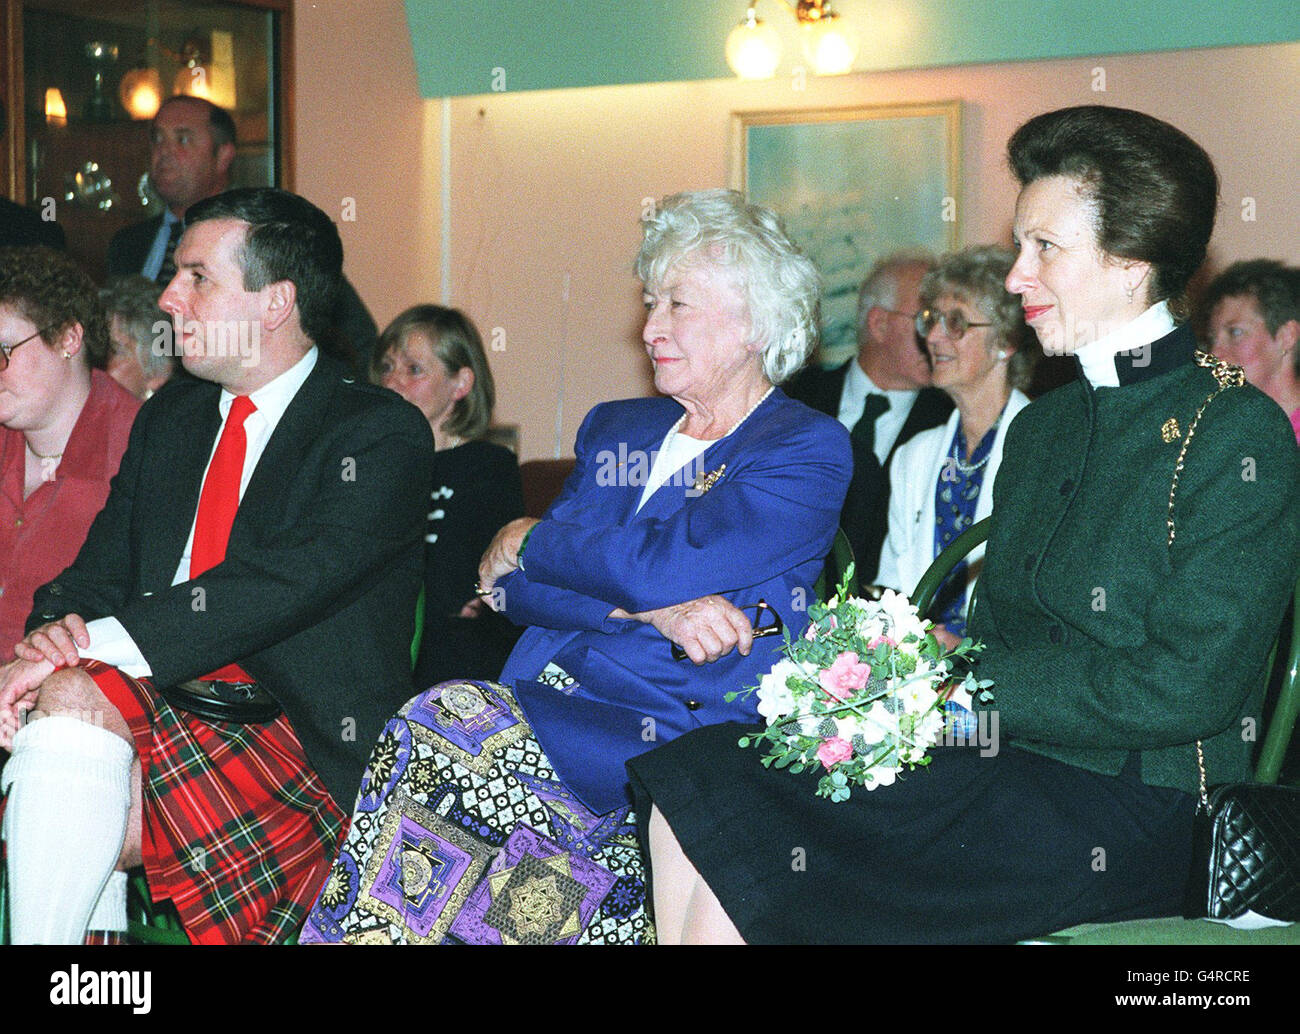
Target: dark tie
168, 268
864, 431
218, 502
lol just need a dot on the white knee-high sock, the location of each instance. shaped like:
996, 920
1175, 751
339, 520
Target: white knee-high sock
110, 909
69, 787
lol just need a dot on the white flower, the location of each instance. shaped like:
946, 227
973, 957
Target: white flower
902, 617
917, 696
775, 700
847, 726
878, 724
926, 734
880, 775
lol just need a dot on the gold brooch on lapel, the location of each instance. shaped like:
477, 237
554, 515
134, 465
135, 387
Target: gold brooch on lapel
703, 482
1225, 373
1169, 430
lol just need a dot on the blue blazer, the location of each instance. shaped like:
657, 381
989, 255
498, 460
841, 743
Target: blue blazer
760, 532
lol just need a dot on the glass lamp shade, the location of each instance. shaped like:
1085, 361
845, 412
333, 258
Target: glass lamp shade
753, 49
56, 112
141, 92
830, 45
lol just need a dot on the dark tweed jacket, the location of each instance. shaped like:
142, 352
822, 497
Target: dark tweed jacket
1103, 638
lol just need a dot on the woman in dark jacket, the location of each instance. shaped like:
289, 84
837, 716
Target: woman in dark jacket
433, 357
1143, 544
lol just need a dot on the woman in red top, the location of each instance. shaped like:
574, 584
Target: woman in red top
63, 426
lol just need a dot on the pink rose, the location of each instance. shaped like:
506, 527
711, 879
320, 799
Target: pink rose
844, 676
881, 639
833, 750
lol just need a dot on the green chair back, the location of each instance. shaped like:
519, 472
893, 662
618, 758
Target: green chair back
1281, 726
418, 637
923, 594
837, 562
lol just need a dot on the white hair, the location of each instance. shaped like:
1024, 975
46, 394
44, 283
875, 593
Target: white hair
781, 286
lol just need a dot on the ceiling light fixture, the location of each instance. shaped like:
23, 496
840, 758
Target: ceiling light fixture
829, 42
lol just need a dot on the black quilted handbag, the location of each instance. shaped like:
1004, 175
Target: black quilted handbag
1246, 836
1246, 853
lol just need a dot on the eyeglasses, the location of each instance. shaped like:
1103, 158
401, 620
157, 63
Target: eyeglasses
7, 350
773, 627
955, 323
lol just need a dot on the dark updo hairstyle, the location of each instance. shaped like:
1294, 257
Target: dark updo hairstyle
52, 293
1154, 188
456, 344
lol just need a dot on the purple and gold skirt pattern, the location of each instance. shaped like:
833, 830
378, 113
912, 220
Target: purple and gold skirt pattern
463, 834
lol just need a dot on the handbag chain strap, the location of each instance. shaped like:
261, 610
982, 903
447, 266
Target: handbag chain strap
1226, 376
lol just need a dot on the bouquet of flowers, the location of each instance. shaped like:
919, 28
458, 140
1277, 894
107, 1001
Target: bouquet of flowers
861, 693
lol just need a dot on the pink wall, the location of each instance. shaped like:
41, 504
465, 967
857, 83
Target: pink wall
363, 133
547, 188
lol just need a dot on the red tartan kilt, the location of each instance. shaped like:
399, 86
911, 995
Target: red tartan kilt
238, 830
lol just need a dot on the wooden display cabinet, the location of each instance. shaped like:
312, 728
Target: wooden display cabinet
236, 52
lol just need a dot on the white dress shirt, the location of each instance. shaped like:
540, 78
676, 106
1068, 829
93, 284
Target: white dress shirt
109, 641
889, 425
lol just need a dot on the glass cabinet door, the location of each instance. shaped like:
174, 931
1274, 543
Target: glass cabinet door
83, 79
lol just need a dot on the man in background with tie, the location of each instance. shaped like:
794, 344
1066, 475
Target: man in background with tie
191, 157
883, 396
191, 150
208, 675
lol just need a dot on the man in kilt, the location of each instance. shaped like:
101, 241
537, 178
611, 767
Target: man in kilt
235, 631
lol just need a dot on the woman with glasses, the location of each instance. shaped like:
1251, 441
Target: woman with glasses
690, 532
1144, 541
63, 426
942, 479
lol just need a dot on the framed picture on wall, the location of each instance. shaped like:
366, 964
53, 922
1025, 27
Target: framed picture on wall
853, 185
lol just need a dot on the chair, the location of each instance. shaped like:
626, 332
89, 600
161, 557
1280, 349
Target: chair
542, 481
837, 562
1280, 728
956, 551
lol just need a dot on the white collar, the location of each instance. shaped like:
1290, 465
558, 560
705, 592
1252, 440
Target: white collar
1097, 358
273, 398
860, 386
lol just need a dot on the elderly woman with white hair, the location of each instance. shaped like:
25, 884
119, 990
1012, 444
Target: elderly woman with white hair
693, 523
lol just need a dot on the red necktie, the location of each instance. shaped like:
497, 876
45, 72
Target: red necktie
218, 503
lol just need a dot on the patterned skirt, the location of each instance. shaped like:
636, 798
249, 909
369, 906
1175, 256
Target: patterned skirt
463, 834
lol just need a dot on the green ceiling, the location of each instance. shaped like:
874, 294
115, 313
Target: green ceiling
481, 46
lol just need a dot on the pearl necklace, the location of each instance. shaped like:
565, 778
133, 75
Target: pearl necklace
672, 431
968, 468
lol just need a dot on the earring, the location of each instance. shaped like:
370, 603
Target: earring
1129, 291
1002, 355
67, 354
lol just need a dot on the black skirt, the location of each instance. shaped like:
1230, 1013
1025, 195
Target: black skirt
970, 849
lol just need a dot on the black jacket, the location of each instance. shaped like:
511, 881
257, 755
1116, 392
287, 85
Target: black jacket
316, 596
